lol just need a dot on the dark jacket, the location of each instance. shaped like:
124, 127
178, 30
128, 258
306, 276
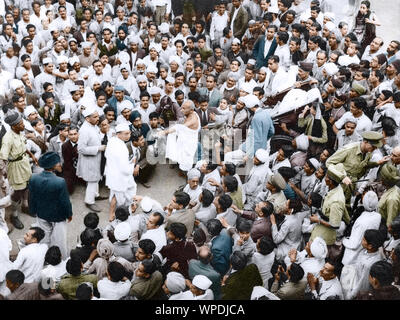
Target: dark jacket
221, 249
49, 198
258, 52
384, 293
260, 228
70, 156
240, 284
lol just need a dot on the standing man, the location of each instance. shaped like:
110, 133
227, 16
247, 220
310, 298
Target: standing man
69, 151
238, 18
52, 214
119, 170
89, 156
13, 151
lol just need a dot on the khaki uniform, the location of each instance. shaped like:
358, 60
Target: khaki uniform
13, 150
334, 208
355, 163
389, 204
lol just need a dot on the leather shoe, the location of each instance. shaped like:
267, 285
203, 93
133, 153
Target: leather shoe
101, 198
17, 223
93, 207
145, 185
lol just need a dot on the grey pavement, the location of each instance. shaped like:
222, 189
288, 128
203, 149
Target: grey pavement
163, 183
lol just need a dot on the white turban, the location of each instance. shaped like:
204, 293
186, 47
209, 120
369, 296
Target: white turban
20, 72
73, 60
15, 84
140, 61
302, 142
28, 110
152, 68
330, 26
174, 58
141, 77
163, 27
202, 282
331, 68
193, 173
64, 116
155, 46
370, 201
246, 87
175, 282
61, 59
125, 104
134, 39
123, 57
318, 248
122, 127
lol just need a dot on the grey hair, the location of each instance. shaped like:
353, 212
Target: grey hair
191, 104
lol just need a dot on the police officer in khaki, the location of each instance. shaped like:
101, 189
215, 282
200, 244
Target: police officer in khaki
333, 208
389, 204
356, 160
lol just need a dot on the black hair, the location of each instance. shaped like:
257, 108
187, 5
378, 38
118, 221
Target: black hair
207, 198
122, 213
316, 199
178, 92
178, 229
274, 58
53, 256
147, 245
266, 245
88, 236
389, 126
100, 93
260, 90
107, 109
199, 237
47, 95
231, 183
144, 94
182, 198
15, 277
160, 220
225, 201
238, 260
214, 227
153, 114
287, 150
283, 36
380, 75
360, 103
38, 234
84, 292
296, 205
383, 272
296, 272
244, 225
374, 238
135, 135
268, 209
230, 168
149, 266
116, 271
287, 172
74, 266
395, 225
91, 220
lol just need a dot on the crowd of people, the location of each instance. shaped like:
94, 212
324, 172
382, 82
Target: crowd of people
283, 118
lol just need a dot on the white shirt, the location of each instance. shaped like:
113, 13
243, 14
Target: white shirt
329, 288
113, 290
346, 60
283, 53
218, 23
363, 122
30, 261
158, 236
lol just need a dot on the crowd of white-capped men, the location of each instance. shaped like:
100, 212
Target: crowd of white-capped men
283, 118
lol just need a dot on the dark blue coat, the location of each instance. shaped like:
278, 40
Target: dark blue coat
258, 52
221, 250
49, 197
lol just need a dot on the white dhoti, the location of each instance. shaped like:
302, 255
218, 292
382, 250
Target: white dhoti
182, 146
235, 157
124, 198
55, 235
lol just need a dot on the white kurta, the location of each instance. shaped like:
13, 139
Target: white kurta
119, 169
30, 261
367, 220
182, 145
158, 236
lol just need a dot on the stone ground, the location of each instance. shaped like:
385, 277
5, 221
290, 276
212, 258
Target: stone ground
165, 180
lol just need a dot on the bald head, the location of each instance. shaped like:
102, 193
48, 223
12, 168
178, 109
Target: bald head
205, 254
396, 155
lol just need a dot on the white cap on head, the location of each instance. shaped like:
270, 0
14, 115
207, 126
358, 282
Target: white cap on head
302, 142
315, 163
329, 15
122, 127
202, 282
86, 44
236, 41
62, 59
74, 88
64, 116
193, 173
163, 27
146, 204
29, 110
73, 60
133, 39
262, 155
20, 72
246, 87
154, 90
47, 60
122, 231
330, 26
155, 46
140, 61
251, 61
251, 101
175, 282
170, 79
331, 68
89, 110
174, 58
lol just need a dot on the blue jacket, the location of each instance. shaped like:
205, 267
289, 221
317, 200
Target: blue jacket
221, 250
49, 197
258, 52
